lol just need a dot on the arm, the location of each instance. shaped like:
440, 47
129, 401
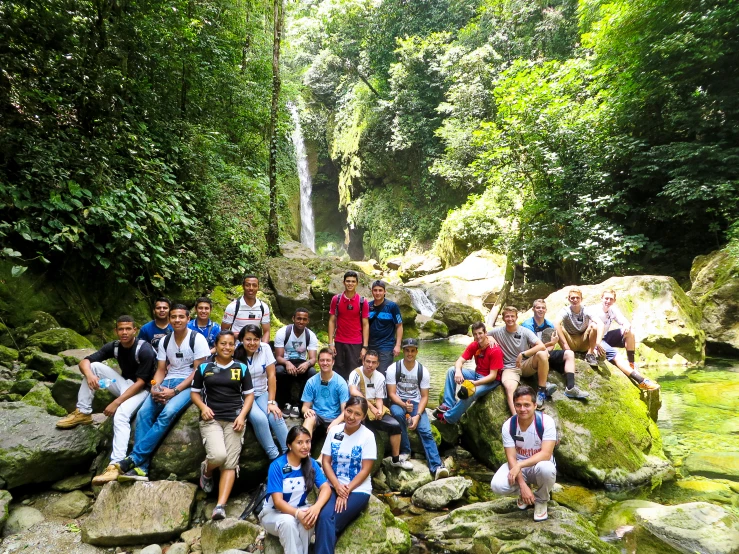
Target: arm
159, 376
280, 359
516, 477
309, 363
240, 420
354, 391
560, 335
331, 332
398, 339
272, 391
365, 335
169, 393
339, 419
307, 410
206, 413
86, 369
265, 332
489, 378
309, 516
392, 394
538, 345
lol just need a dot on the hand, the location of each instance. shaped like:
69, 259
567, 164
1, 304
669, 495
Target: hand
527, 495
414, 422
458, 377
492, 342
342, 491
601, 351
396, 351
302, 368
408, 406
290, 368
625, 329
206, 414
340, 505
332, 348
309, 517
361, 354
93, 382
519, 359
376, 411
553, 340
308, 414
274, 410
239, 423
163, 396
111, 408
513, 474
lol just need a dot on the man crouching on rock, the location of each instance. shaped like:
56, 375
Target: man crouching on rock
137, 361
529, 438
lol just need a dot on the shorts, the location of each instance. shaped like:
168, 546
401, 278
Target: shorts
515, 373
557, 360
222, 443
388, 424
579, 342
615, 338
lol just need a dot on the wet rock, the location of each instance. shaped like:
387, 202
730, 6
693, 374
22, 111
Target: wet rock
621, 514
192, 536
178, 548
719, 465
151, 549
73, 483
54, 341
457, 317
437, 494
228, 533
40, 396
406, 481
376, 530
22, 518
582, 500
430, 328
70, 505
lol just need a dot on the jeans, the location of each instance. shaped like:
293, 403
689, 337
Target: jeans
262, 425
330, 524
458, 407
154, 420
423, 430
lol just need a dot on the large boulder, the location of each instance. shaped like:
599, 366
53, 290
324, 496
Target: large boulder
719, 465
54, 341
40, 396
74, 356
8, 355
376, 530
22, 518
457, 317
715, 279
499, 526
608, 440
139, 513
430, 328
5, 499
66, 387
406, 481
33, 450
437, 494
230, 533
417, 264
49, 365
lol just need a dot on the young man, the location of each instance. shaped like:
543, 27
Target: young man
202, 322
408, 384
295, 353
576, 329
485, 377
609, 340
385, 326
153, 331
562, 361
523, 355
247, 309
369, 383
529, 438
137, 361
325, 395
348, 326
179, 355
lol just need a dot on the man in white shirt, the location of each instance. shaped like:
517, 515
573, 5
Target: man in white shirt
576, 329
247, 309
296, 348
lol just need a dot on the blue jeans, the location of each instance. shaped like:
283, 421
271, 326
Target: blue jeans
262, 425
458, 407
154, 420
330, 524
423, 430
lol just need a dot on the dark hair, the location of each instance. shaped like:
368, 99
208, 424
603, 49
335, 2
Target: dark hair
178, 307
249, 277
125, 319
478, 325
379, 283
165, 300
524, 390
372, 353
255, 330
351, 273
358, 400
301, 310
306, 464
204, 299
326, 350
222, 334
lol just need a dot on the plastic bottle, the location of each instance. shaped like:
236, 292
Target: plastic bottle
155, 387
105, 383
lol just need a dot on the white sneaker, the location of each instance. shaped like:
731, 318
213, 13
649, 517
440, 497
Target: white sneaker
404, 457
441, 473
540, 511
402, 464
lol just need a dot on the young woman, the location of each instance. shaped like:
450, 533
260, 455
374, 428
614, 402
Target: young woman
291, 477
264, 414
222, 389
347, 456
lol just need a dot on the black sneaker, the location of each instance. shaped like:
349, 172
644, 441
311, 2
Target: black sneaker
126, 465
136, 474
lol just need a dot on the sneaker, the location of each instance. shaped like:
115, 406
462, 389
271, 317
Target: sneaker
439, 416
206, 483
126, 465
441, 473
540, 511
443, 408
136, 474
541, 396
648, 384
111, 473
591, 360
402, 464
295, 412
521, 504
287, 411
219, 513
74, 419
404, 457
575, 392
551, 388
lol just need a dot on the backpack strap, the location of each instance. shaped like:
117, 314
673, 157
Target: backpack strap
539, 424
167, 338
139, 344
397, 372
420, 375
236, 310
307, 340
288, 332
192, 342
513, 423
116, 344
361, 304
362, 385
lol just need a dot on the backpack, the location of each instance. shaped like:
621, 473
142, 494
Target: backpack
139, 344
363, 390
289, 330
337, 297
193, 335
238, 304
538, 424
397, 373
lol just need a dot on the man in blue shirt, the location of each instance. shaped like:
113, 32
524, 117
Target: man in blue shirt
385, 326
325, 395
159, 327
202, 322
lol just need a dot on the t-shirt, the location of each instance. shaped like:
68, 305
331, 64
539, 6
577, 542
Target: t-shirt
514, 343
347, 453
574, 324
613, 314
257, 365
247, 314
408, 387
130, 369
289, 480
531, 442
210, 331
181, 358
151, 333
374, 385
223, 388
490, 359
531, 325
348, 322
327, 399
382, 320
295, 347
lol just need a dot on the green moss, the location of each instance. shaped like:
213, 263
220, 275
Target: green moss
40, 396
8, 355
54, 341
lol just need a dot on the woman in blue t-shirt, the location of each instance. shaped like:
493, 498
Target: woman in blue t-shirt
291, 477
347, 456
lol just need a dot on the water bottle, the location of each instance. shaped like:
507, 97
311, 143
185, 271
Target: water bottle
155, 387
105, 383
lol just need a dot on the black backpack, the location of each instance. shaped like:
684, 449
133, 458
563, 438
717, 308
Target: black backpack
193, 336
238, 304
289, 330
139, 344
397, 373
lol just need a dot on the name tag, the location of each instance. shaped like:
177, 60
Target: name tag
286, 469
339, 436
179, 355
517, 438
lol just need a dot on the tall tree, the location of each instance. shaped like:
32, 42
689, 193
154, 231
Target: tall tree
273, 228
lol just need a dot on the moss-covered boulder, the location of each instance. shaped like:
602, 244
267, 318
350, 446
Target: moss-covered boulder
54, 341
37, 322
608, 440
430, 328
40, 396
5, 498
8, 355
76, 355
48, 365
227, 534
376, 530
23, 386
715, 279
66, 387
457, 317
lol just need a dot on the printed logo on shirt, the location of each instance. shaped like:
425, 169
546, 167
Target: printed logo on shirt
235, 376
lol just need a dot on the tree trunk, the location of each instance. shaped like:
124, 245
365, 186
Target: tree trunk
273, 228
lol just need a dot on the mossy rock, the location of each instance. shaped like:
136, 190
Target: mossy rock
23, 386
40, 396
66, 387
38, 322
620, 514
8, 355
54, 341
429, 328
457, 317
29, 374
376, 530
5, 499
49, 365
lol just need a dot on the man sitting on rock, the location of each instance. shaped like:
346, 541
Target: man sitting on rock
180, 353
247, 309
562, 361
385, 326
368, 382
325, 395
529, 438
348, 326
576, 329
609, 339
157, 328
295, 353
137, 361
408, 384
485, 377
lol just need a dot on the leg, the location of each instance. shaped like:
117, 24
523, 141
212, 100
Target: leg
279, 429
544, 475
342, 362
122, 425
591, 335
85, 395
455, 414
541, 364
499, 484
510, 379
399, 415
228, 476
214, 441
427, 439
294, 538
450, 387
569, 358
284, 385
260, 424
330, 524
389, 424
386, 359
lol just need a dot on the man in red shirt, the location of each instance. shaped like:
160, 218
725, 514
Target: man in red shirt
348, 326
488, 361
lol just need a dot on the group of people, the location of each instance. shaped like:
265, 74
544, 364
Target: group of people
231, 373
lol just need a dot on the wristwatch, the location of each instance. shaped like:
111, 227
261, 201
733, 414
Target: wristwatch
272, 402
176, 391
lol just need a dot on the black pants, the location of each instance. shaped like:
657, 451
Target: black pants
286, 383
347, 358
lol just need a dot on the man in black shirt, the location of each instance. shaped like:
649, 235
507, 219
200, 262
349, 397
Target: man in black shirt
137, 361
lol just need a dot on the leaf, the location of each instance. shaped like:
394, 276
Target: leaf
11, 253
18, 270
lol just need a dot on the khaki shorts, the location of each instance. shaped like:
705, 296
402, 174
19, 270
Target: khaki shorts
578, 343
514, 374
222, 443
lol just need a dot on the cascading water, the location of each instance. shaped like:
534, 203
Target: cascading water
421, 303
307, 228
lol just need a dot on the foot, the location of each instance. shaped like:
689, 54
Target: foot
443, 408
126, 465
286, 412
540, 511
541, 396
111, 473
402, 464
521, 504
441, 473
219, 512
591, 360
404, 457
575, 392
551, 388
439, 416
295, 412
206, 483
74, 419
648, 384
136, 474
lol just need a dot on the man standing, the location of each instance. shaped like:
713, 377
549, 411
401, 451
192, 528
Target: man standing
295, 353
325, 395
247, 309
385, 326
179, 355
576, 329
153, 331
137, 361
348, 326
529, 438
408, 384
202, 322
488, 361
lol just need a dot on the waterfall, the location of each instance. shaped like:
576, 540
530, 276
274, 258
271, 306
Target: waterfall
307, 229
421, 303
